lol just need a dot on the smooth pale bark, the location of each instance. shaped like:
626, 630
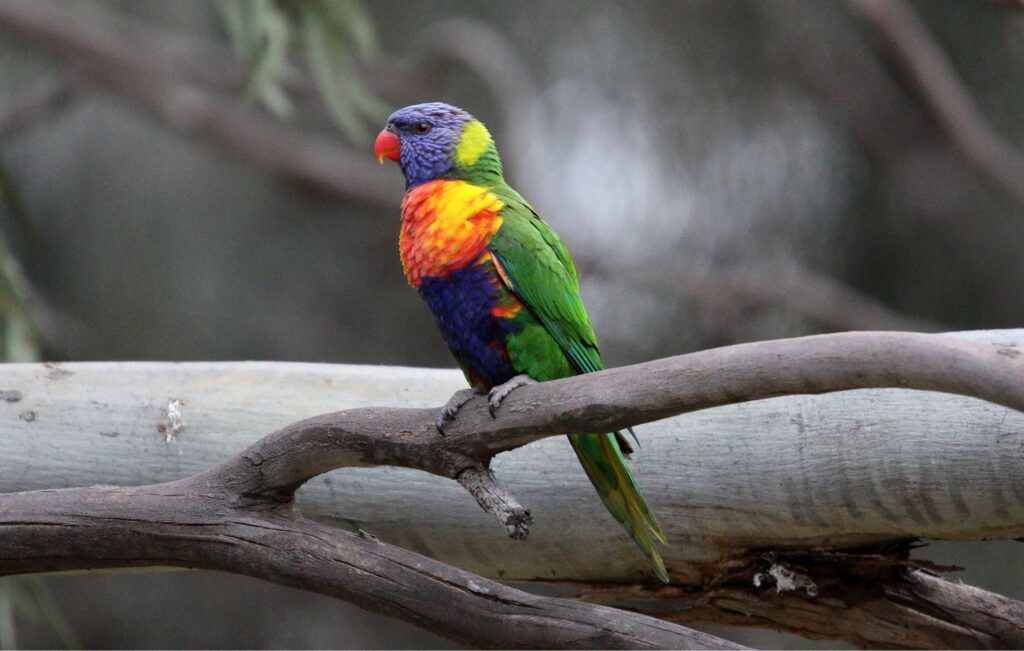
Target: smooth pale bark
840, 469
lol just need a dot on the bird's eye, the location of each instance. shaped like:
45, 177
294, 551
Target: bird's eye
422, 127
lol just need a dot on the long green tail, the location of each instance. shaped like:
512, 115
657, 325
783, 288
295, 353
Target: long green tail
602, 458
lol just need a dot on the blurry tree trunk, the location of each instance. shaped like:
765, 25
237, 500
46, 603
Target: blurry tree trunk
788, 512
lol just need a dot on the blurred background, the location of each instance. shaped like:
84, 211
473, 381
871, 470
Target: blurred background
194, 180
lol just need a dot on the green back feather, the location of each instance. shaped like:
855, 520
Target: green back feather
541, 273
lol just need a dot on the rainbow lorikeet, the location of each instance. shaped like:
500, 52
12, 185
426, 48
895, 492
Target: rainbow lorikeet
502, 286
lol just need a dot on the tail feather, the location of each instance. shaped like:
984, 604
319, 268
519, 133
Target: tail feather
603, 462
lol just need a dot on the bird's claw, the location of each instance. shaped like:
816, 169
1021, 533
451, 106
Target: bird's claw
451, 408
494, 399
498, 394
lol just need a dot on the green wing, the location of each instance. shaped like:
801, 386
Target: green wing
539, 270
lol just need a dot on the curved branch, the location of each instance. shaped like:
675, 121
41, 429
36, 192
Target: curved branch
784, 284
189, 524
944, 92
617, 398
837, 470
37, 104
237, 516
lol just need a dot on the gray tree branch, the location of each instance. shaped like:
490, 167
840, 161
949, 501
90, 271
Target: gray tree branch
786, 284
208, 524
944, 93
38, 103
715, 379
617, 398
238, 516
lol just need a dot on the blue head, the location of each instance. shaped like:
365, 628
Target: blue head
436, 140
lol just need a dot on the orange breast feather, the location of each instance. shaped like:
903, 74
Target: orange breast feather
445, 226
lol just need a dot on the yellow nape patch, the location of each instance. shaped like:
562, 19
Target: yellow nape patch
474, 141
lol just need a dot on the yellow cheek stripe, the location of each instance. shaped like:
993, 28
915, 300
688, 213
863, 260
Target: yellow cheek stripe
474, 141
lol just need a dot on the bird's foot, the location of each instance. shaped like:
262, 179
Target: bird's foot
498, 394
451, 408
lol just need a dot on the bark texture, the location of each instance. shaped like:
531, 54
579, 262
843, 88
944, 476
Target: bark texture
730, 562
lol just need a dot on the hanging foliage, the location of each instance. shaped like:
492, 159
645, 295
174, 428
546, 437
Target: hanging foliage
333, 35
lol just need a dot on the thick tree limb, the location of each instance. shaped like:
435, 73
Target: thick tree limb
267, 473
208, 524
864, 466
617, 398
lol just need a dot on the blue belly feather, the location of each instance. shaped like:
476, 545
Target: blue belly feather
461, 302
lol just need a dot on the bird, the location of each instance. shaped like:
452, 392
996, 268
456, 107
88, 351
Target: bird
502, 287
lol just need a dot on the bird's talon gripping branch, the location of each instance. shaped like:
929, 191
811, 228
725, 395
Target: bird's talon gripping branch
451, 408
498, 394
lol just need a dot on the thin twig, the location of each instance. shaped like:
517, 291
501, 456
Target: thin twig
944, 92
789, 285
821, 298
496, 500
35, 105
191, 86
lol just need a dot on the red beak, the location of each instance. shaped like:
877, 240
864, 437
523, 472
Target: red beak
387, 146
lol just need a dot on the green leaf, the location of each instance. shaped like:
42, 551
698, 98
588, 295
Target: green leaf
328, 59
349, 17
333, 33
260, 34
270, 63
